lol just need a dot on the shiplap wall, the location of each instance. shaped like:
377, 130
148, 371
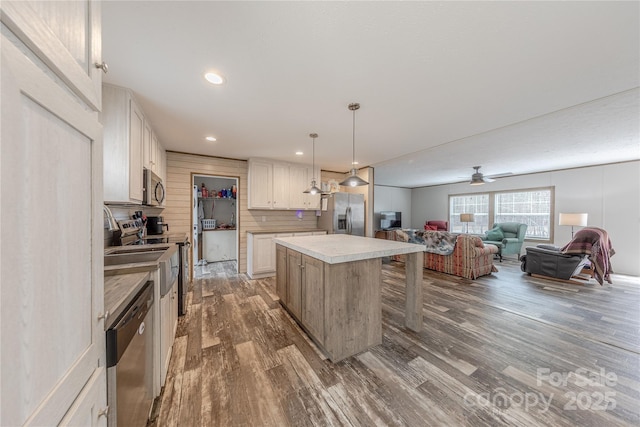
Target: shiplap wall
180, 170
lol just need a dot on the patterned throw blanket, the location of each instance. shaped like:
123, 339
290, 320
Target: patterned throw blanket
595, 243
437, 242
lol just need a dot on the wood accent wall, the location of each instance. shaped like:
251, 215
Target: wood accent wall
180, 170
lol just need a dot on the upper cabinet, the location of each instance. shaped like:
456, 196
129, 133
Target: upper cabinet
153, 152
280, 186
300, 177
129, 146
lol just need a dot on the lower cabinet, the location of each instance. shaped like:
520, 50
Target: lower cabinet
88, 409
293, 299
338, 305
305, 291
261, 252
168, 322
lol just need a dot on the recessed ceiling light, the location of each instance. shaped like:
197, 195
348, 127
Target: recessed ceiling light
299, 153
354, 163
214, 78
210, 138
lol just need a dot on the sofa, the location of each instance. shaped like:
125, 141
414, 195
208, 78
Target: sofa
507, 236
462, 255
437, 225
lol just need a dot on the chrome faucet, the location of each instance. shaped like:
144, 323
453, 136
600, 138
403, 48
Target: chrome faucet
112, 224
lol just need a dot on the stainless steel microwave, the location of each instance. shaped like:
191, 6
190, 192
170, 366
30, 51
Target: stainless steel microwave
153, 194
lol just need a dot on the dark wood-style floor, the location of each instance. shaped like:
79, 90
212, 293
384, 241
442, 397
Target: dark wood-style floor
505, 349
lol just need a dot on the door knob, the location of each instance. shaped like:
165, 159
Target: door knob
104, 67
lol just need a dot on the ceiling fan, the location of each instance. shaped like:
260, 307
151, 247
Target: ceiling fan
478, 178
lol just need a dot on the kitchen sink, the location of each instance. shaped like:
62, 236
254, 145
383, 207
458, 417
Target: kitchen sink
132, 257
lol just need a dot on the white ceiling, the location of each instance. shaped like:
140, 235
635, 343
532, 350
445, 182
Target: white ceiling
512, 86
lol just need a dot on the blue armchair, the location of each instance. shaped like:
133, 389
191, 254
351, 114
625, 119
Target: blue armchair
507, 236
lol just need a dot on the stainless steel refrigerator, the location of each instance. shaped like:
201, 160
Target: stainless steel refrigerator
344, 214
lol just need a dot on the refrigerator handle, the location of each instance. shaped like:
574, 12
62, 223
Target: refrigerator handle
349, 225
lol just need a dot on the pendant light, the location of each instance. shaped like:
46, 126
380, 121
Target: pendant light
354, 180
314, 189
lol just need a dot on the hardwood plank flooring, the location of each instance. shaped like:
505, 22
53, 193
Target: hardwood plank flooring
505, 349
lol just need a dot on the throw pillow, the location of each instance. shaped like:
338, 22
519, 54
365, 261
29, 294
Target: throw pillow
431, 227
495, 235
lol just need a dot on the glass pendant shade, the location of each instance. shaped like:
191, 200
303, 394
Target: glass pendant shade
354, 180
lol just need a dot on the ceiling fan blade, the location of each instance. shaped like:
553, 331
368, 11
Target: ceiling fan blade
500, 175
487, 179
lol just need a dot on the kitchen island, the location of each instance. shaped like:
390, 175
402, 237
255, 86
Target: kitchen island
331, 285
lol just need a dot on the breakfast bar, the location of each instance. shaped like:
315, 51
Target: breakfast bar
331, 284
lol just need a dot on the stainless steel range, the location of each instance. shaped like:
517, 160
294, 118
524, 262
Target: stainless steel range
132, 233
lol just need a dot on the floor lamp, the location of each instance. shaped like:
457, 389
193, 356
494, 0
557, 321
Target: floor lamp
574, 220
466, 217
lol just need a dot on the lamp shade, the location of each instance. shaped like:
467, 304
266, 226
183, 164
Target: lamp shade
354, 180
466, 217
574, 219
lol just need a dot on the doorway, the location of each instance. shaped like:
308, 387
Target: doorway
215, 223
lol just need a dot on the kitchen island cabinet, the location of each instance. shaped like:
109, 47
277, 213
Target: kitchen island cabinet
332, 286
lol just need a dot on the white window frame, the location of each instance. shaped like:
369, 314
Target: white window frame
479, 226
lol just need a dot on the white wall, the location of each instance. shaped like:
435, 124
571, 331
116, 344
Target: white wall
392, 199
610, 194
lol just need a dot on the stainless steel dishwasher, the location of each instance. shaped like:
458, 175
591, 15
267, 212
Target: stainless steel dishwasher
130, 362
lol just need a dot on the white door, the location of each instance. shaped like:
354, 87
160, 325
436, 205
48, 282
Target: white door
52, 340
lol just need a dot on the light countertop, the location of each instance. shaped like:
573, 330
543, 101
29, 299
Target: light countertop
282, 231
119, 291
337, 248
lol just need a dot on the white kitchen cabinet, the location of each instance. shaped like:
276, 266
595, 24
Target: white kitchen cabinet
124, 141
298, 183
281, 186
168, 324
157, 158
154, 155
261, 252
260, 184
147, 153
268, 185
300, 177
219, 245
161, 160
52, 340
136, 130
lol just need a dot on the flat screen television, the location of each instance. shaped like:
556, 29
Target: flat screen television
390, 220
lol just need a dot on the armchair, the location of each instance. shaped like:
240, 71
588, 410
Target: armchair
590, 246
439, 225
507, 236
546, 260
